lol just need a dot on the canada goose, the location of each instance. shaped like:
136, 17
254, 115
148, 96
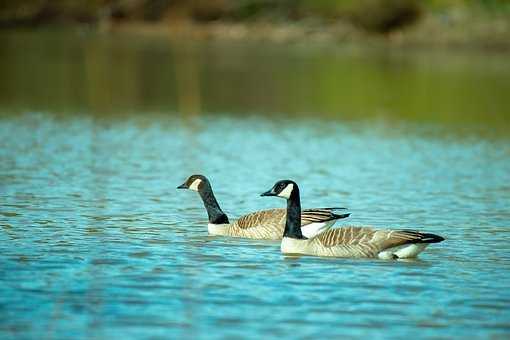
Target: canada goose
345, 241
264, 224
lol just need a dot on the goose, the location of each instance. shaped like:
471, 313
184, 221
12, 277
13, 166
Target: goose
348, 241
264, 224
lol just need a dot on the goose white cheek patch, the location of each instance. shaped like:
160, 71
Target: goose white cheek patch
195, 184
285, 193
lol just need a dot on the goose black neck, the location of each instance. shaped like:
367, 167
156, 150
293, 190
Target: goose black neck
293, 223
216, 215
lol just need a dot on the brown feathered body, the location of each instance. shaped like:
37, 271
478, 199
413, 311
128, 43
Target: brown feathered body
269, 224
361, 242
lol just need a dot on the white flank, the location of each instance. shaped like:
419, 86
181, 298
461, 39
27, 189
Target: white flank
285, 193
403, 252
217, 229
292, 246
411, 250
313, 229
195, 184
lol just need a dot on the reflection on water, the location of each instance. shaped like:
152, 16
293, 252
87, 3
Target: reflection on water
96, 242
115, 74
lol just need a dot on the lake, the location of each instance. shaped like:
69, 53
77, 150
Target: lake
97, 130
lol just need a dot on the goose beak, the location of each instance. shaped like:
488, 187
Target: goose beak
182, 186
268, 193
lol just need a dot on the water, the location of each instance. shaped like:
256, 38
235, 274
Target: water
96, 242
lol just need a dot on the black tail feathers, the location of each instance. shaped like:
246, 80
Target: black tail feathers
418, 237
341, 215
338, 216
431, 238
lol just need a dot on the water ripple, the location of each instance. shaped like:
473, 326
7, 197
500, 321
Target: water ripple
96, 241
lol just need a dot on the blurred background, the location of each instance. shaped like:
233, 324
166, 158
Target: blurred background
437, 60
396, 109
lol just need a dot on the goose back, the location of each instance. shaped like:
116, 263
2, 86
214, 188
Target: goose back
269, 224
354, 241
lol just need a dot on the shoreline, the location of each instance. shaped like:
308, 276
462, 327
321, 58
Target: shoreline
475, 25
429, 33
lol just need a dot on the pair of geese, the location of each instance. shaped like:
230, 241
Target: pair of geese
307, 232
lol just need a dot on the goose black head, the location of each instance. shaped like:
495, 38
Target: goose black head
284, 188
289, 190
194, 182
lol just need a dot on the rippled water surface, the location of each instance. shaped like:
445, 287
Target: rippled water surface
96, 242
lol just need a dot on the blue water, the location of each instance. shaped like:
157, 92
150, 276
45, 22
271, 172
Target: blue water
95, 241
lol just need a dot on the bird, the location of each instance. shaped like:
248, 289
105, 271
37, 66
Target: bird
264, 224
347, 241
